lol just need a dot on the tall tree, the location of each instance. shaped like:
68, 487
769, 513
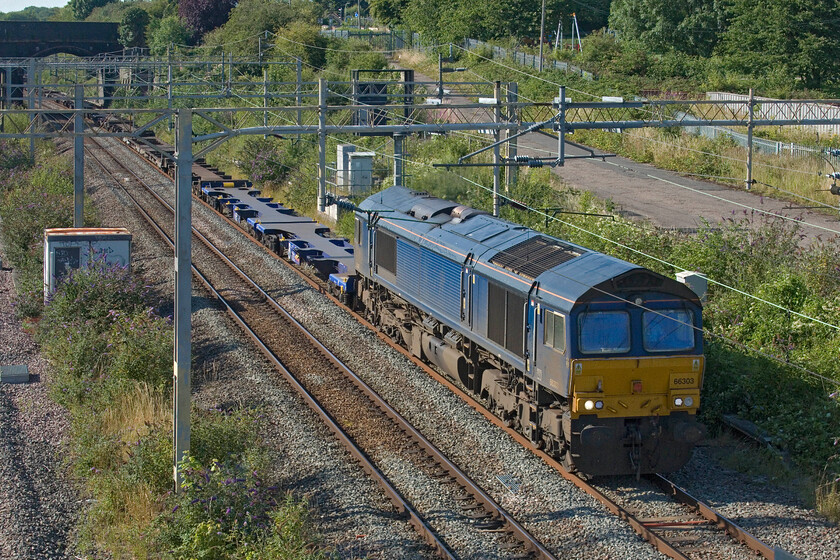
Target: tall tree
83, 8
165, 32
133, 27
202, 16
690, 26
792, 39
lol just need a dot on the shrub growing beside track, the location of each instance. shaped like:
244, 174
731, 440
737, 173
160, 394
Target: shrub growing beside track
111, 356
34, 197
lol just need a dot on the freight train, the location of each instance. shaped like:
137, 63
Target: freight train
594, 359
597, 361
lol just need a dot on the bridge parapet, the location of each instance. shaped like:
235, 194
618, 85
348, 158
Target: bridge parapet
27, 39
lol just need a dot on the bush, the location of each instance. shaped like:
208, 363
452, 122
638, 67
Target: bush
13, 156
140, 347
25, 214
89, 295
222, 506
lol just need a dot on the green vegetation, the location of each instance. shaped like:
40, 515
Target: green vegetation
34, 197
31, 13
110, 358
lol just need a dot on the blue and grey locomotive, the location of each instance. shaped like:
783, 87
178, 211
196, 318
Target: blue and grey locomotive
596, 360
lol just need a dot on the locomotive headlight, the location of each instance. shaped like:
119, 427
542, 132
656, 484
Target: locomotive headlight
678, 401
688, 401
599, 404
589, 405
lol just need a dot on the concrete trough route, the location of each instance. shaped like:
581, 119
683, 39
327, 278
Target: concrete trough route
14, 374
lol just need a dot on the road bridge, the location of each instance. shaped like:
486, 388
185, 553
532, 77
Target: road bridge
24, 40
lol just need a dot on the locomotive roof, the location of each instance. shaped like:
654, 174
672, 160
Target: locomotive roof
511, 254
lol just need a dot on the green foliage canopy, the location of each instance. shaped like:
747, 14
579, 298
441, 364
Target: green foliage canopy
166, 31
83, 8
691, 27
791, 39
133, 27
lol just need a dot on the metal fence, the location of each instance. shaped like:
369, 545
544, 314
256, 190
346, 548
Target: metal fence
787, 111
525, 59
382, 40
771, 147
397, 40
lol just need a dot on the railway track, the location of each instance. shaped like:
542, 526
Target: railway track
366, 425
696, 532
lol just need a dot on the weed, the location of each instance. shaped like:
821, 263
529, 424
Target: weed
828, 500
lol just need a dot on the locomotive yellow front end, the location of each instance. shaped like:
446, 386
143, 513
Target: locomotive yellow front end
634, 415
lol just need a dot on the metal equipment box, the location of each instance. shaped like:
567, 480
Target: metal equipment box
697, 281
66, 249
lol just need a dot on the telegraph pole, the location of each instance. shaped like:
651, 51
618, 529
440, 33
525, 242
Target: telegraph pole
542, 32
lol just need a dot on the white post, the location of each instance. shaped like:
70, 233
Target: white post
749, 180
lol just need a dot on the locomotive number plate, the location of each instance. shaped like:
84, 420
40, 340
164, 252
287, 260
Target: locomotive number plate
683, 381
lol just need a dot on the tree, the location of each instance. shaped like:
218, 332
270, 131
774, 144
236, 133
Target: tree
83, 8
202, 16
389, 12
251, 17
165, 32
304, 41
692, 26
789, 39
133, 27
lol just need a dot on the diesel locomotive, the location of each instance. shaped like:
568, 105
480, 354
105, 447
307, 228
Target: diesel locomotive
594, 359
597, 361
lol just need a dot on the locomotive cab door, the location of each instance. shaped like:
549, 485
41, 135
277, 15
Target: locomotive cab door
532, 319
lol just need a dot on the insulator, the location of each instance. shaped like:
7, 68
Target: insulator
535, 163
522, 159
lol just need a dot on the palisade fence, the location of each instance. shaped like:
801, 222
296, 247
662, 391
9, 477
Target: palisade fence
395, 40
790, 111
525, 59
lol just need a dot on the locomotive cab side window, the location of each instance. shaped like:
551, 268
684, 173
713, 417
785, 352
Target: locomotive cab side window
668, 330
554, 334
604, 332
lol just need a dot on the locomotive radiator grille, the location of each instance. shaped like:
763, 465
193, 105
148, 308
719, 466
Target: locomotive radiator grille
534, 256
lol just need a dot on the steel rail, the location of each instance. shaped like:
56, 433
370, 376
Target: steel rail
509, 523
710, 514
657, 541
402, 505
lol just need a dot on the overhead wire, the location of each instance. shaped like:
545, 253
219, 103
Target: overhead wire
624, 246
661, 261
